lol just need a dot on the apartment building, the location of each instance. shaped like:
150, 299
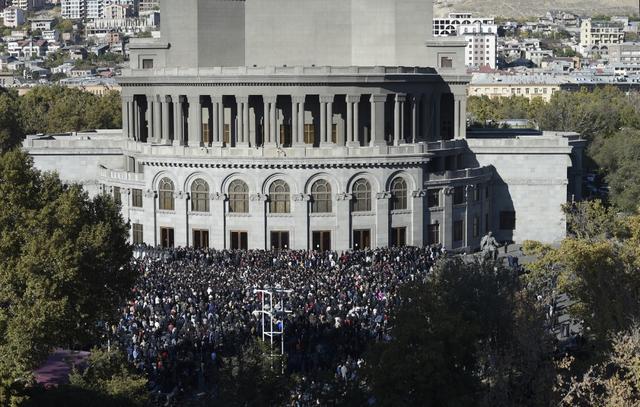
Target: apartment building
480, 34
596, 37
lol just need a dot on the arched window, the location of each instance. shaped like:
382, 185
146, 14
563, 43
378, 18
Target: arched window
200, 196
398, 194
321, 197
238, 197
165, 195
361, 196
279, 197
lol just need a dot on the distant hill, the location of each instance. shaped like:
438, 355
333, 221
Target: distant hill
527, 8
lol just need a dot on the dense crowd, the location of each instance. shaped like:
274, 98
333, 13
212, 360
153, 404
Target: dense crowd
191, 306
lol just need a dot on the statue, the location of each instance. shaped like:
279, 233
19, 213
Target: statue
489, 247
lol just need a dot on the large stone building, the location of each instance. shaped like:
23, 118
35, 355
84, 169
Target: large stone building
311, 125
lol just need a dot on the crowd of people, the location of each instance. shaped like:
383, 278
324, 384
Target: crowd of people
191, 306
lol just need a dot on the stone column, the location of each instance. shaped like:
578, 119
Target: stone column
377, 120
126, 99
266, 123
437, 120
132, 120
323, 119
273, 120
298, 133
447, 218
300, 101
415, 118
245, 121
166, 113
426, 126
462, 132
457, 117
221, 123
157, 120
301, 215
294, 122
398, 119
468, 219
330, 122
356, 121
216, 135
343, 221
149, 117
138, 125
352, 120
242, 112
382, 219
195, 122
417, 222
178, 121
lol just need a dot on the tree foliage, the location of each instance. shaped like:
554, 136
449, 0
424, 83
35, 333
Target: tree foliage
469, 336
54, 109
64, 264
107, 380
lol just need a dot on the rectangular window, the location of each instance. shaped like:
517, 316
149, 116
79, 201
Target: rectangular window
486, 223
117, 195
147, 64
285, 135
239, 241
206, 135
507, 220
136, 198
433, 233
433, 198
137, 233
446, 62
334, 133
458, 231
226, 137
477, 193
309, 133
458, 195
200, 238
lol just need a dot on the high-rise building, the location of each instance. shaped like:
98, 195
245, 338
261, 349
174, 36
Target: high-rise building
306, 124
480, 34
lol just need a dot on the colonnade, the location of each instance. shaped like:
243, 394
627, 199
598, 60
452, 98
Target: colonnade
318, 120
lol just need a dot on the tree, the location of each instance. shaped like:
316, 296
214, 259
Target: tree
107, 380
467, 337
619, 157
599, 273
65, 265
10, 130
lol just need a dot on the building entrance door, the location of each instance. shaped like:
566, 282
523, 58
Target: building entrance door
321, 240
279, 240
200, 238
361, 239
399, 236
166, 237
239, 241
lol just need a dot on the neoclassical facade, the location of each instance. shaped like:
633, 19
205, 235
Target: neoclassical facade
274, 124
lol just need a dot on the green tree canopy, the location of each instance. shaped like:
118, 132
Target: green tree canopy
64, 264
467, 337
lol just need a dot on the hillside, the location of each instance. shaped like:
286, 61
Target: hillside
526, 8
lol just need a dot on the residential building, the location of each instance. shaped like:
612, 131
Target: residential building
73, 9
596, 37
507, 85
626, 53
480, 35
13, 17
